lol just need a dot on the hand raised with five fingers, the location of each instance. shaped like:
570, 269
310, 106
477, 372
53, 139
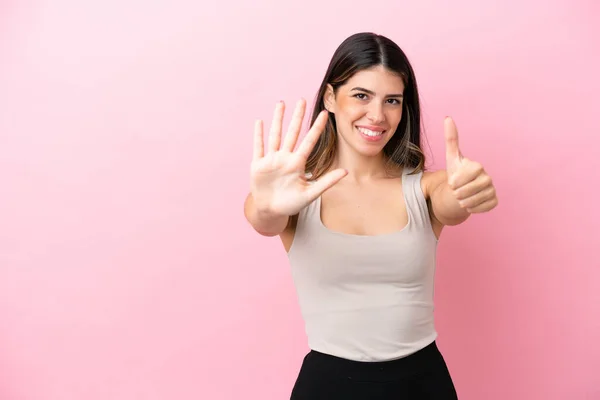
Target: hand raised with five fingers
471, 185
277, 179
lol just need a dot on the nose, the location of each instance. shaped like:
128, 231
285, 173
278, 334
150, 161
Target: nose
375, 113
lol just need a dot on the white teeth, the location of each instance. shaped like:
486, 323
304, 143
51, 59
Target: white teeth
369, 132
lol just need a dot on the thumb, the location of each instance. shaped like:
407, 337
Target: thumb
325, 182
453, 155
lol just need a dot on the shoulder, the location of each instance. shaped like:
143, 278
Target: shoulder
431, 180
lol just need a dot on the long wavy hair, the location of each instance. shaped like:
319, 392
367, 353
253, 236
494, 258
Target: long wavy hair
358, 52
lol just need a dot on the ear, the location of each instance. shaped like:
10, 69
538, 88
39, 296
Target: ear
329, 99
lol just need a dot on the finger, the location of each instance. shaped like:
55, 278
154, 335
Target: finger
313, 134
258, 140
484, 207
478, 198
452, 149
295, 125
326, 182
477, 183
275, 131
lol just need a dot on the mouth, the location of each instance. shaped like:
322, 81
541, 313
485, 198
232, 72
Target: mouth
371, 134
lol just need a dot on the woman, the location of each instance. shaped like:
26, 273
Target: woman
360, 219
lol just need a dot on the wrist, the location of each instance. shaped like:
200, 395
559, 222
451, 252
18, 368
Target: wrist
263, 209
267, 213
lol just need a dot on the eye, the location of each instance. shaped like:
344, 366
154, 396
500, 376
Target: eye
358, 96
395, 101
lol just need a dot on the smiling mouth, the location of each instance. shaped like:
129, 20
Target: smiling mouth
369, 132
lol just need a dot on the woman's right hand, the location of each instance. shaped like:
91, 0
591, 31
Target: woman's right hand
277, 179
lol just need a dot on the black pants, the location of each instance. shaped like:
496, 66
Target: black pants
419, 376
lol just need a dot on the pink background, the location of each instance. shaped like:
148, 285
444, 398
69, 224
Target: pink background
125, 124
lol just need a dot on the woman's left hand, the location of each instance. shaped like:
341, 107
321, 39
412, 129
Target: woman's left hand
471, 185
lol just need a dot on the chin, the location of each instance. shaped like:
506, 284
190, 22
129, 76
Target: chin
371, 151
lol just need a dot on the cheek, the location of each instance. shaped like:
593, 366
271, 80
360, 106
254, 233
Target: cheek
353, 112
398, 114
394, 117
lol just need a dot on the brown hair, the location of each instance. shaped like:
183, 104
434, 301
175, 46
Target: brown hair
358, 52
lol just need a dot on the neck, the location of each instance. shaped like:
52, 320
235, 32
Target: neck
360, 167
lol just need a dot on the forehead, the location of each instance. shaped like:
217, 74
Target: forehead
378, 79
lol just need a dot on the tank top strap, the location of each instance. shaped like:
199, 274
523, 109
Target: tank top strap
308, 218
416, 204
309, 214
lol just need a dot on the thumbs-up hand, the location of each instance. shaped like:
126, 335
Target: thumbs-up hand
471, 186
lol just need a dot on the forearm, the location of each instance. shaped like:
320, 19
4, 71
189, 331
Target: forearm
446, 207
264, 221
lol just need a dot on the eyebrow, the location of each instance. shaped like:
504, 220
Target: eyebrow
373, 93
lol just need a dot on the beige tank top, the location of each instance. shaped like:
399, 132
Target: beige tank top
367, 298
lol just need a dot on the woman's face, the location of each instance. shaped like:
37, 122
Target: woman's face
367, 109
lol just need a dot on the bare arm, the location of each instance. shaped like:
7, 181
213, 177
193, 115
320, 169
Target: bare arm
264, 222
445, 205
